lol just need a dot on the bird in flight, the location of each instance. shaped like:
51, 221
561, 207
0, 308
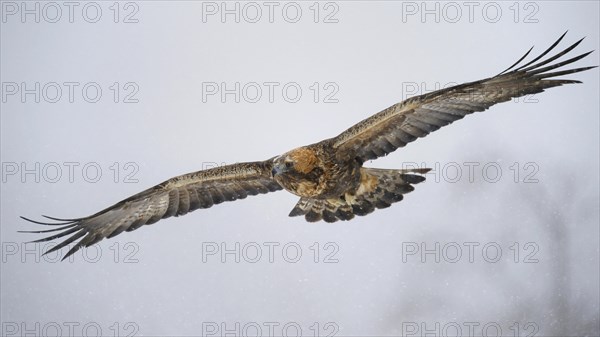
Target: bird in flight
328, 176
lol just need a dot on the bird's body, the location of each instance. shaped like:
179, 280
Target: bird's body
328, 176
316, 171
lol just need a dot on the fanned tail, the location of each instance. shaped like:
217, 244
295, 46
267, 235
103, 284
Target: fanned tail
379, 188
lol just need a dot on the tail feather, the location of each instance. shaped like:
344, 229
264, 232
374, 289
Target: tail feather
379, 188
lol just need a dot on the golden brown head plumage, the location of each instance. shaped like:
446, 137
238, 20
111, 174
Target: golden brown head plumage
304, 159
298, 171
301, 160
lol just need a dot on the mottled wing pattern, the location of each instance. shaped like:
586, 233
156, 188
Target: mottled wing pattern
416, 117
174, 197
379, 188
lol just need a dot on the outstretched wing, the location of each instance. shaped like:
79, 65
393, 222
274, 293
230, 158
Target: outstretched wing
174, 197
418, 116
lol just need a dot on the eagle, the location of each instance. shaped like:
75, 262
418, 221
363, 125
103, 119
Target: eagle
328, 176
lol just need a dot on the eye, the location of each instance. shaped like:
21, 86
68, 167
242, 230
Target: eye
289, 164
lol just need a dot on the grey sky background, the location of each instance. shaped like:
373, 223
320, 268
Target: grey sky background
159, 280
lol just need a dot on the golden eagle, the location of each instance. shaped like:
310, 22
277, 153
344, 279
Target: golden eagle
328, 176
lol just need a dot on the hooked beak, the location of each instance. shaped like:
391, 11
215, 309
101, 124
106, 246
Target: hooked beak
277, 169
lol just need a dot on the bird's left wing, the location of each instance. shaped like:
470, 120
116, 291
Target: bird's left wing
418, 116
174, 197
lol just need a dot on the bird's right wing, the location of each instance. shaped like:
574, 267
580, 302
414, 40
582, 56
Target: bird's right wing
174, 197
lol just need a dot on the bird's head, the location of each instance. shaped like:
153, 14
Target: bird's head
300, 161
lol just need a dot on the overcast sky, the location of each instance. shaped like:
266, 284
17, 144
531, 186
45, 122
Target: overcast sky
101, 100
